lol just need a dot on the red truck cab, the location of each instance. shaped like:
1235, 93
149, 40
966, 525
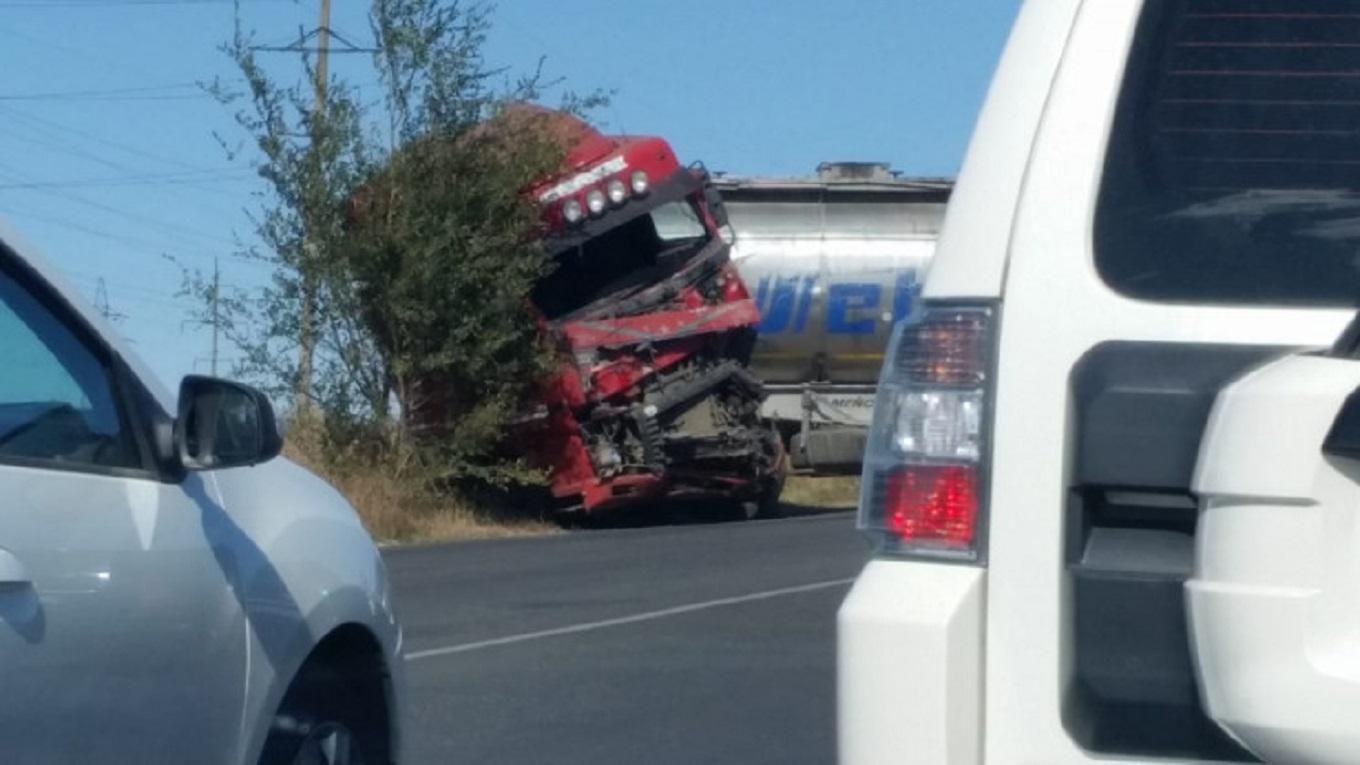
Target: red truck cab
656, 328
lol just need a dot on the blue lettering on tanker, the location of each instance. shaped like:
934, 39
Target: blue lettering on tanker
852, 308
842, 299
775, 303
804, 303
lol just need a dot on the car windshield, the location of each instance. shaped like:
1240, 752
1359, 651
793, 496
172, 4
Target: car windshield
634, 254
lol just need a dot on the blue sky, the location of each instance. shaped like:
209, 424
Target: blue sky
108, 160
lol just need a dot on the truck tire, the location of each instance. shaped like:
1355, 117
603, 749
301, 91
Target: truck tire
770, 506
765, 505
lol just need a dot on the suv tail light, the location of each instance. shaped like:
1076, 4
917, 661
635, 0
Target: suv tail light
925, 467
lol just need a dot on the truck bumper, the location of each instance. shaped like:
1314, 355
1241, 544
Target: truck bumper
910, 665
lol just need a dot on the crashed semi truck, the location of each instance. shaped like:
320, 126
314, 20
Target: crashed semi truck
654, 396
834, 259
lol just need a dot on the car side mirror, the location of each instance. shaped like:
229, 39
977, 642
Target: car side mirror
223, 424
1343, 440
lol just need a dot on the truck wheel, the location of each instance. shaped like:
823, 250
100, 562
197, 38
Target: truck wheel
766, 504
322, 722
770, 506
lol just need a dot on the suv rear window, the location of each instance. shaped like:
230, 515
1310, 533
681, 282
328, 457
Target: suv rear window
1233, 173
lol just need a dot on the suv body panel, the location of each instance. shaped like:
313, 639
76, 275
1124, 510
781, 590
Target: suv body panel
1022, 233
1051, 279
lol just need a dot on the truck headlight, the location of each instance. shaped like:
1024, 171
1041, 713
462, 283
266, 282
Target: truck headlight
617, 192
640, 182
595, 201
572, 212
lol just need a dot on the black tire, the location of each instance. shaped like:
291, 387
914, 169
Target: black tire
324, 720
770, 506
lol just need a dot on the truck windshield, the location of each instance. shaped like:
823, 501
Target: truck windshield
1233, 173
635, 253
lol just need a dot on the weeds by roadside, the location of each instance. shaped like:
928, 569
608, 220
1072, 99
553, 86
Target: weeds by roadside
821, 491
397, 507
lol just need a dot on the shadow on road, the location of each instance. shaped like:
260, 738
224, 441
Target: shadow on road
685, 513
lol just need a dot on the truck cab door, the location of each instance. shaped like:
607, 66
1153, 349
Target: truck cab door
1274, 600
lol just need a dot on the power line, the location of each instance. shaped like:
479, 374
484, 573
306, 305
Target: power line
59, 99
117, 3
133, 150
129, 241
111, 94
145, 220
171, 179
134, 242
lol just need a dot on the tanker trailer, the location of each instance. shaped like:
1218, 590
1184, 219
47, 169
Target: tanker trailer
833, 260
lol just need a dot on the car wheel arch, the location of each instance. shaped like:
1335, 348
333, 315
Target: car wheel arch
353, 650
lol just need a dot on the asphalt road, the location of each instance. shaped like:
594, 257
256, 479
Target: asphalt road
674, 644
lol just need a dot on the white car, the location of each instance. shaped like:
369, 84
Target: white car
171, 590
1162, 197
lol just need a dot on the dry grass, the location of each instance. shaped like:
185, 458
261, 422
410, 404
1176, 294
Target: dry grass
821, 491
397, 510
393, 512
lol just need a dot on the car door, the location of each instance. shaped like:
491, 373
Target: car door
120, 638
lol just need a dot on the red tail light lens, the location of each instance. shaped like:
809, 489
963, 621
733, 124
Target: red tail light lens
925, 467
933, 504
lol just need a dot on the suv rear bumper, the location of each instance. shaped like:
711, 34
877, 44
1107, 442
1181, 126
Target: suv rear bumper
909, 656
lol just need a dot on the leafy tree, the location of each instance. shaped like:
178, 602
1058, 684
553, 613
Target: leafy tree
403, 247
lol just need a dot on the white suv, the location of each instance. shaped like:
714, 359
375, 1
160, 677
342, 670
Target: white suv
170, 589
1161, 196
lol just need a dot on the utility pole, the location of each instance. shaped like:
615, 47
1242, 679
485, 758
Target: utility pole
307, 319
323, 50
216, 316
102, 305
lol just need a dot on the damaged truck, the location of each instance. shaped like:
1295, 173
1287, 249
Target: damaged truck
654, 396
651, 326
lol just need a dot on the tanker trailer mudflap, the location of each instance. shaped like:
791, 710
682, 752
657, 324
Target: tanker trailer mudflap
833, 427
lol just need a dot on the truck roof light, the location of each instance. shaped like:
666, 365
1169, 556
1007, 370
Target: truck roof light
926, 462
618, 193
595, 201
572, 211
640, 182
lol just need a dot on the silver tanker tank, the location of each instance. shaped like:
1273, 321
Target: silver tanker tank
833, 260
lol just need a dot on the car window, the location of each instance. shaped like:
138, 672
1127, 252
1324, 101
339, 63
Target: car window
1233, 173
56, 401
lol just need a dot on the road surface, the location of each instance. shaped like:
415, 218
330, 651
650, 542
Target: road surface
674, 644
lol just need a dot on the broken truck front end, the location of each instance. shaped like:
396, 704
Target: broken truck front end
654, 396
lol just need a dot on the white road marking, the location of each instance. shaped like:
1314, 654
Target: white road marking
645, 616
